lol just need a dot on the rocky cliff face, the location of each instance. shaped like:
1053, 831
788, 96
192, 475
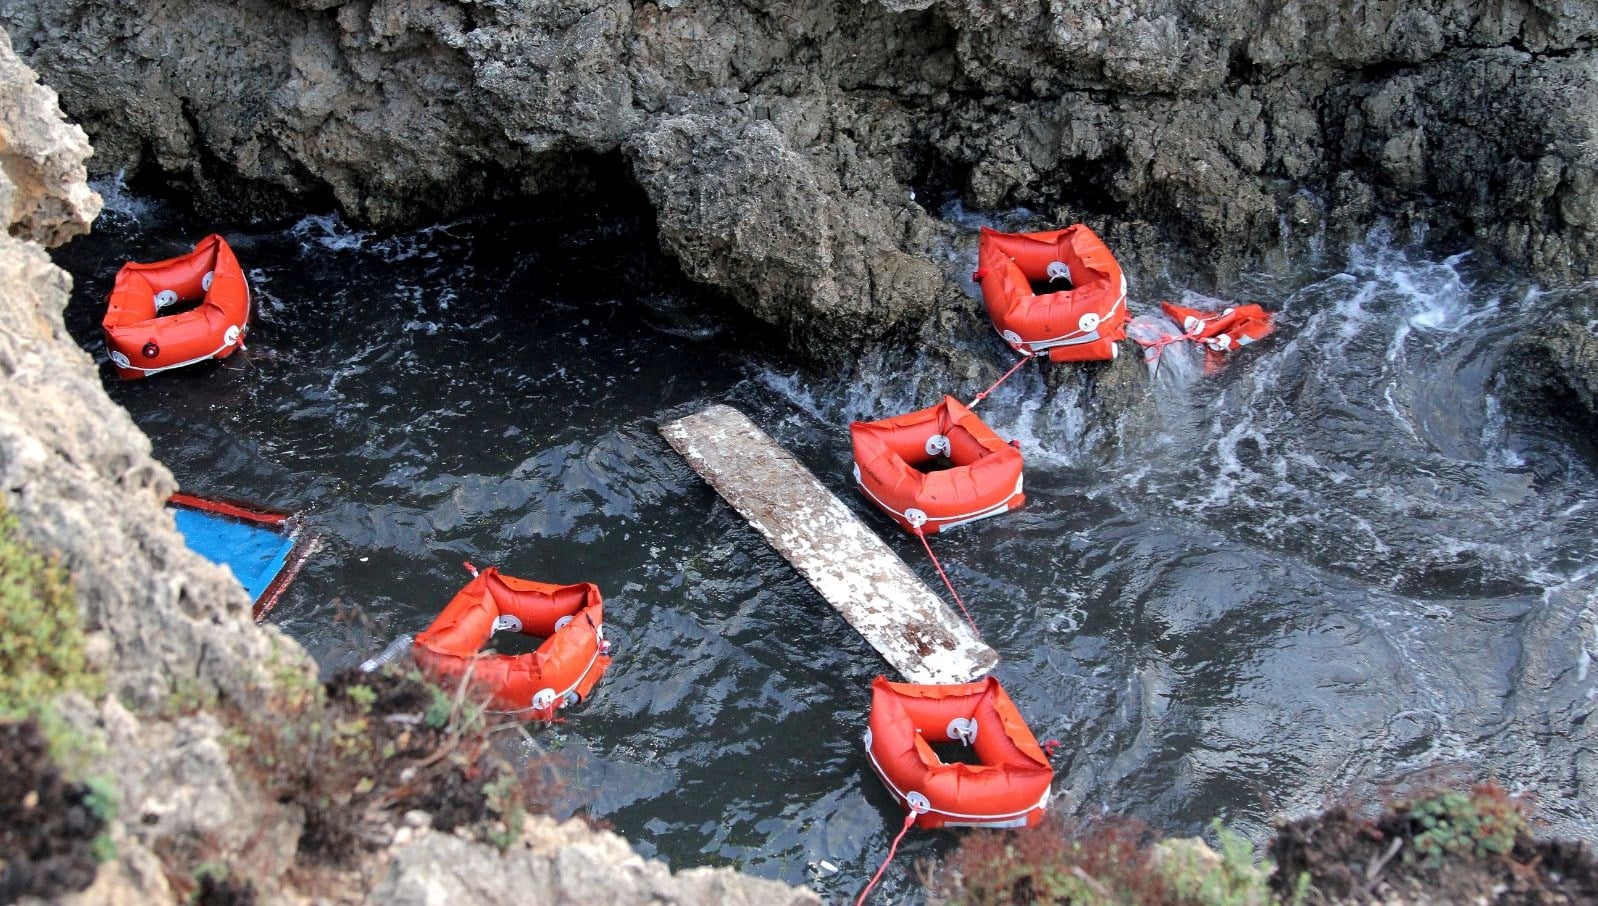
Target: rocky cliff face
796, 155
171, 632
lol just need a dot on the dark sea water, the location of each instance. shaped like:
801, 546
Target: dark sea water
1334, 562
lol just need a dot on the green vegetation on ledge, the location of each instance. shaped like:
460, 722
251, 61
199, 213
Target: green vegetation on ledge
52, 826
41, 635
1441, 845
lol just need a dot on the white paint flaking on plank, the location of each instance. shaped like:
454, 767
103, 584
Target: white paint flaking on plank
858, 574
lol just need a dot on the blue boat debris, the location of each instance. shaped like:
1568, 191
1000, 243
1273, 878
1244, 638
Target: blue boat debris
264, 547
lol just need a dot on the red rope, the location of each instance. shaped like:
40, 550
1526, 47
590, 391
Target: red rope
1159, 344
909, 821
984, 394
946, 583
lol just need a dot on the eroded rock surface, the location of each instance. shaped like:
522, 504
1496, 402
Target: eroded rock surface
559, 863
783, 146
43, 195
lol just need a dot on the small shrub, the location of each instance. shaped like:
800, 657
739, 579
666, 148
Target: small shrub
1059, 861
41, 634
1235, 876
364, 748
1483, 822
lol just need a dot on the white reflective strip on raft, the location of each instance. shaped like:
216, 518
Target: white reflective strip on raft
960, 519
559, 696
210, 355
1075, 337
1001, 820
837, 553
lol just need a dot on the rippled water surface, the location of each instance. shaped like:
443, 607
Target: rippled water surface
1335, 561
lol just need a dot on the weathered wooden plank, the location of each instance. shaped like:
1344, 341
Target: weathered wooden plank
858, 574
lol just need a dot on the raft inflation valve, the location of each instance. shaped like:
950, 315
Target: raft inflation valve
963, 729
231, 336
543, 699
509, 623
151, 350
205, 281
562, 623
1058, 271
938, 445
165, 297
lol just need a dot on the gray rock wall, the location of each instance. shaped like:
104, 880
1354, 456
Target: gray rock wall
781, 144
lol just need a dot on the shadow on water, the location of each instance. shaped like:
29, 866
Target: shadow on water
1333, 561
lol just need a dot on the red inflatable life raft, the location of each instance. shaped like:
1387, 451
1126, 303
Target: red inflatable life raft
1081, 323
1224, 331
890, 456
1010, 788
561, 673
143, 342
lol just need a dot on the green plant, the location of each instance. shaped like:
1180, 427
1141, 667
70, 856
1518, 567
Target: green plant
1483, 822
42, 647
101, 798
364, 748
1234, 876
1060, 861
504, 797
362, 696
103, 847
41, 634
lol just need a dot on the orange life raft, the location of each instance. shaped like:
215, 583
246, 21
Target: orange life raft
1078, 324
143, 342
1220, 333
561, 673
985, 480
1010, 788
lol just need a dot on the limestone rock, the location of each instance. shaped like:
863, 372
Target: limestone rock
43, 193
744, 210
560, 863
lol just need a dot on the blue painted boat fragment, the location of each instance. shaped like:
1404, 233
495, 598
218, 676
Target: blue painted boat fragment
262, 547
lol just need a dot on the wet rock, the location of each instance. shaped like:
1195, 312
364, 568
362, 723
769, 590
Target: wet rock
743, 209
1554, 370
